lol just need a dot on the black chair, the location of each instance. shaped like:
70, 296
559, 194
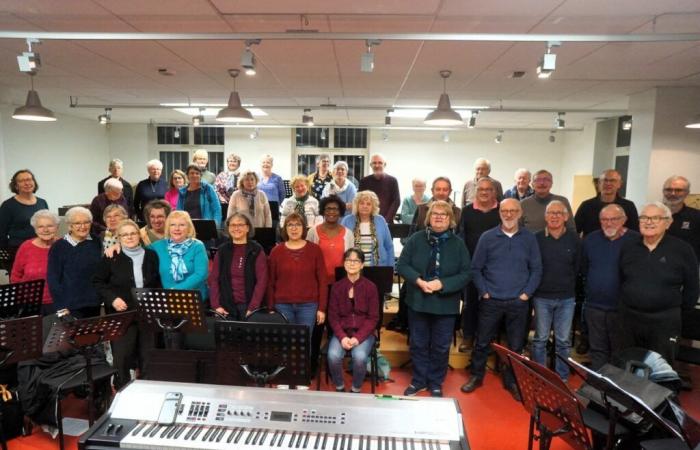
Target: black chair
265, 315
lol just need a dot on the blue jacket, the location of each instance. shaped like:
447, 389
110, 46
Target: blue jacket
506, 267
197, 264
384, 239
70, 271
208, 202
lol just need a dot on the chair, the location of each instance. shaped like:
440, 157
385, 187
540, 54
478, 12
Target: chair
265, 315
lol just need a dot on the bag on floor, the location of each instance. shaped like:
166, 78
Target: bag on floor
383, 368
12, 414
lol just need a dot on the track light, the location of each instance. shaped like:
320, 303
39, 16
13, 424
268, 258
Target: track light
559, 122
387, 118
499, 137
29, 61
472, 119
548, 63
32, 109
248, 58
323, 134
627, 124
444, 114
446, 137
367, 59
105, 118
255, 133
234, 112
552, 136
307, 119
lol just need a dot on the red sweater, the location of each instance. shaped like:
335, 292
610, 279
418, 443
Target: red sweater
30, 264
297, 276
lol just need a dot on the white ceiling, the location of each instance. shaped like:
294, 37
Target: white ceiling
589, 76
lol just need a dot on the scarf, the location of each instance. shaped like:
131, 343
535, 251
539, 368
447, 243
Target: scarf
177, 261
136, 254
373, 232
335, 189
250, 198
299, 207
231, 181
435, 240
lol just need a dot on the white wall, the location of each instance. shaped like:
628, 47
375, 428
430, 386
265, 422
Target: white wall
605, 142
576, 159
68, 157
273, 141
130, 143
641, 107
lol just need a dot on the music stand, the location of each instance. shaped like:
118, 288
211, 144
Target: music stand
85, 336
264, 352
274, 210
266, 237
20, 340
21, 299
400, 230
5, 259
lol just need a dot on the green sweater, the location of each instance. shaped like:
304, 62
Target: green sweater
455, 273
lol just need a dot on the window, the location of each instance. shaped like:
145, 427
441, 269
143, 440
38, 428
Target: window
174, 160
208, 136
173, 135
349, 145
216, 162
350, 138
312, 137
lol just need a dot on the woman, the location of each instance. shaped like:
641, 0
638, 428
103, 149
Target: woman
116, 168
370, 231
340, 185
271, 183
435, 264
319, 179
182, 259
297, 286
333, 238
72, 264
301, 202
112, 217
152, 188
32, 257
155, 214
16, 212
113, 195
238, 277
199, 198
200, 158
227, 181
177, 181
411, 202
250, 200
132, 267
353, 313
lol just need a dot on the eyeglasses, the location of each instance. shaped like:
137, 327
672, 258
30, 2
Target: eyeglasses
353, 261
543, 180
652, 219
81, 224
128, 235
610, 219
610, 180
484, 189
555, 213
237, 225
510, 211
331, 208
674, 190
440, 215
293, 225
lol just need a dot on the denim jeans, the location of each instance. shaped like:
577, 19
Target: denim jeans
299, 313
360, 355
556, 314
430, 340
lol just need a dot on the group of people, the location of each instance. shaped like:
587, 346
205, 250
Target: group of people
493, 259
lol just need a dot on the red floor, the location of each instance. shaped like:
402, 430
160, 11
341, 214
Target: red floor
493, 420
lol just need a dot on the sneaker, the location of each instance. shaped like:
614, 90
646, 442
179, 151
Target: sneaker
301, 387
356, 390
412, 390
340, 389
437, 392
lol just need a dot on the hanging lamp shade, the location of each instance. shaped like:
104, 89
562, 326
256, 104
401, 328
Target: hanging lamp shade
33, 110
234, 111
444, 114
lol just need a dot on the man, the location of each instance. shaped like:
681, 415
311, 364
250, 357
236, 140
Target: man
600, 266
686, 220
441, 190
385, 186
554, 301
609, 184
200, 158
659, 280
506, 269
522, 189
116, 168
482, 168
534, 207
477, 217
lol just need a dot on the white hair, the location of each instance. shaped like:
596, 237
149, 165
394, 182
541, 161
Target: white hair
521, 171
614, 206
481, 161
76, 211
115, 162
556, 203
113, 184
673, 178
667, 211
340, 164
44, 214
201, 153
154, 163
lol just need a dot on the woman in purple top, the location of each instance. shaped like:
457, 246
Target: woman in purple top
353, 313
238, 278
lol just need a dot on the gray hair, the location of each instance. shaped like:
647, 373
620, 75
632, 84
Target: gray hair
75, 211
341, 164
667, 211
522, 170
556, 203
323, 156
44, 214
244, 216
267, 157
673, 178
234, 157
614, 206
154, 163
114, 207
115, 162
480, 161
199, 154
113, 184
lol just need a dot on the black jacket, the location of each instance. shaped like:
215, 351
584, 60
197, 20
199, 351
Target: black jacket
114, 278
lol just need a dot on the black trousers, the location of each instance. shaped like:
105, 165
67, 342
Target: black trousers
603, 335
470, 311
657, 331
131, 350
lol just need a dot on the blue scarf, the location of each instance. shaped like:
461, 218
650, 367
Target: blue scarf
435, 240
177, 261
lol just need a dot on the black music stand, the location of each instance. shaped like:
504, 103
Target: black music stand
266, 237
85, 336
400, 230
274, 210
6, 260
21, 299
263, 352
171, 311
20, 340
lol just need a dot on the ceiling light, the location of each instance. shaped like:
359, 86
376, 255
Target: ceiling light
559, 122
367, 59
248, 58
499, 137
176, 133
385, 136
627, 124
307, 119
552, 137
255, 133
472, 119
387, 118
29, 61
234, 112
420, 111
446, 137
105, 118
32, 109
548, 63
694, 123
444, 114
323, 134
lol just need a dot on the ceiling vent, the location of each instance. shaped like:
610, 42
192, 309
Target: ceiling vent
165, 72
517, 74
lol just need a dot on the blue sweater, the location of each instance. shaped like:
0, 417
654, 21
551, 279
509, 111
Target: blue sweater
384, 239
600, 264
196, 262
208, 203
70, 271
505, 267
274, 188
